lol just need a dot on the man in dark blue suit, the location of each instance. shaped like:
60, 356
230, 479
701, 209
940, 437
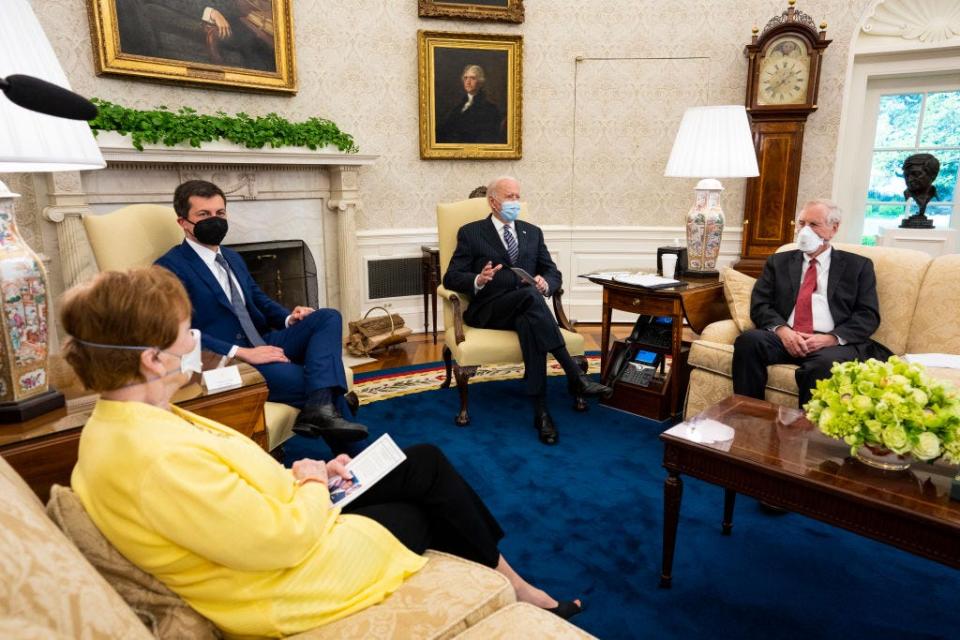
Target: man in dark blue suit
298, 352
500, 299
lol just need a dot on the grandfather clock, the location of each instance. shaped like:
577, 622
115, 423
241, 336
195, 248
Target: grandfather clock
782, 83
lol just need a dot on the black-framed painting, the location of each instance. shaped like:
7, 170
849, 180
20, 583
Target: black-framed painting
498, 10
238, 44
470, 95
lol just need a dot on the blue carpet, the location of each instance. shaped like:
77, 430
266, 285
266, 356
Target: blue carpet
584, 518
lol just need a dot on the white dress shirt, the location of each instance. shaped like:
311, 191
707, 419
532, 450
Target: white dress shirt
822, 318
209, 258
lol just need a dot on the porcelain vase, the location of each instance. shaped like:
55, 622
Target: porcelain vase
704, 228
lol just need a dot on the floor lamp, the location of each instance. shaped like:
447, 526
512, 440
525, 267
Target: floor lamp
30, 141
713, 142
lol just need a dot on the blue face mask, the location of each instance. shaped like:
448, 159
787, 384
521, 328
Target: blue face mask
510, 210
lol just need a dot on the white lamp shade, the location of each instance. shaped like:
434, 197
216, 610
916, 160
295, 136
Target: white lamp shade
713, 142
31, 141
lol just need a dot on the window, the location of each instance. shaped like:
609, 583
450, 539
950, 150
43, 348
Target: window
909, 123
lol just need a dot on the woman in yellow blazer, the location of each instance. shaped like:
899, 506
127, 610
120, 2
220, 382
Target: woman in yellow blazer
251, 545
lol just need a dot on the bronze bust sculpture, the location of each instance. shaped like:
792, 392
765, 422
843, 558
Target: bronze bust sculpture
919, 172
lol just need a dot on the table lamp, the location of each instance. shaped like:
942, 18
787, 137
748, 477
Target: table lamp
31, 140
713, 142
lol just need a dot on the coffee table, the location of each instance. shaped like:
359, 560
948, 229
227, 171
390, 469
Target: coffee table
779, 457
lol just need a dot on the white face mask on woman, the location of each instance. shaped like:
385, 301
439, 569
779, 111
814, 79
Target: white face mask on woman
189, 362
808, 241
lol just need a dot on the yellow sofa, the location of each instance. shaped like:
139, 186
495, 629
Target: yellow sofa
919, 313
49, 589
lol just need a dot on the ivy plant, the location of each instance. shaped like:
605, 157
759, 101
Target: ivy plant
163, 126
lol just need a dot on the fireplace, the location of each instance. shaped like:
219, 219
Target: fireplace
284, 269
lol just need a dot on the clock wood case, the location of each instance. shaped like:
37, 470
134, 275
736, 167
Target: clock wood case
782, 83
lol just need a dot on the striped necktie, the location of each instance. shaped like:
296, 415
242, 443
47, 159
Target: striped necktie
239, 308
512, 249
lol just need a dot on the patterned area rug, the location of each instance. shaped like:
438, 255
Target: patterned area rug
393, 383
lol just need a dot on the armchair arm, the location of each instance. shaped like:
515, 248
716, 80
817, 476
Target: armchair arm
560, 313
453, 299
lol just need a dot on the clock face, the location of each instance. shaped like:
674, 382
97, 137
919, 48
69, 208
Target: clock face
784, 73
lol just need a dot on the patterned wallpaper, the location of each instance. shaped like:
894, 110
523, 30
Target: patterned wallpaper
596, 133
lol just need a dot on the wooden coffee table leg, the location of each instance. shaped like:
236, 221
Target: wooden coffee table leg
729, 496
672, 493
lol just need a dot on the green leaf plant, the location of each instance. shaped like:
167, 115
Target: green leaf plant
163, 126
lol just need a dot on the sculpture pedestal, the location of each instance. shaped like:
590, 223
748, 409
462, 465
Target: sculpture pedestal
935, 242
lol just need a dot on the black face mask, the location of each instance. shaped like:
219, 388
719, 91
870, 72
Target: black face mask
210, 230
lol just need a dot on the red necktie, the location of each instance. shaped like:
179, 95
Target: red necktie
803, 312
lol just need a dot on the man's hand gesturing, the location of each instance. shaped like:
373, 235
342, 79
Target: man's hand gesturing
487, 274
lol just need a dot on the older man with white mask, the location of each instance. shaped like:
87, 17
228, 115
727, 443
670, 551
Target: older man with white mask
813, 306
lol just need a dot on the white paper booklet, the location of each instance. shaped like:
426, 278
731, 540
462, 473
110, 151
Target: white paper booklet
945, 360
374, 462
647, 280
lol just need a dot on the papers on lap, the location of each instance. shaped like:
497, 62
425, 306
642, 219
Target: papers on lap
374, 462
524, 275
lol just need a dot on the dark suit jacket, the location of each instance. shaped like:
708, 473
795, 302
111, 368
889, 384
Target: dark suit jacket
479, 123
213, 314
851, 294
477, 243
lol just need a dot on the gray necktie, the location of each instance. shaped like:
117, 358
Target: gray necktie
236, 300
512, 247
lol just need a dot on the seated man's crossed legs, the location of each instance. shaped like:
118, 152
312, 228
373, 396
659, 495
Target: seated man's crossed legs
314, 380
525, 311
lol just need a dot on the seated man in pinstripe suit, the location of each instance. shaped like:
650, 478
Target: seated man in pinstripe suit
500, 300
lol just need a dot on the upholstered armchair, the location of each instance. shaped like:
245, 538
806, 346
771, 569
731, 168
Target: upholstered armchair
466, 348
135, 236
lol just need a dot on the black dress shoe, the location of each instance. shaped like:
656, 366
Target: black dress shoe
324, 421
584, 386
543, 423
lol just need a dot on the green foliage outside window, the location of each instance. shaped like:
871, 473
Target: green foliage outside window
910, 123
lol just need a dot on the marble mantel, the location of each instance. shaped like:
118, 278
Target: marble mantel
291, 192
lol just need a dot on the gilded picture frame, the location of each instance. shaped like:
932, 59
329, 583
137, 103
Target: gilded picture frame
471, 95
235, 44
496, 10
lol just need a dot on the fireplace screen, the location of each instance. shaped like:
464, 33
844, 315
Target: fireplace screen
284, 269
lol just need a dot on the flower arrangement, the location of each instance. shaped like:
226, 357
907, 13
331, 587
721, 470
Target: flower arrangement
890, 405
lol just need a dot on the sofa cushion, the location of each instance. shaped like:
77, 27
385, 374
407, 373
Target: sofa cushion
46, 582
523, 620
737, 289
495, 346
935, 328
164, 612
445, 597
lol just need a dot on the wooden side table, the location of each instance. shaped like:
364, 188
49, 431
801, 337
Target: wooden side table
700, 302
44, 450
430, 272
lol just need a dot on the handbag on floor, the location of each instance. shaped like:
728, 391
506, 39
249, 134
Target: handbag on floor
369, 334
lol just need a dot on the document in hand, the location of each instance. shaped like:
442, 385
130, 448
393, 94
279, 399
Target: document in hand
524, 275
374, 462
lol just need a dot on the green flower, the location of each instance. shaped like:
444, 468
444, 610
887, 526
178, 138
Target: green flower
895, 439
927, 447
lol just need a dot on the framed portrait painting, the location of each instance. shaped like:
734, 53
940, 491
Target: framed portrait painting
500, 10
470, 95
239, 44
